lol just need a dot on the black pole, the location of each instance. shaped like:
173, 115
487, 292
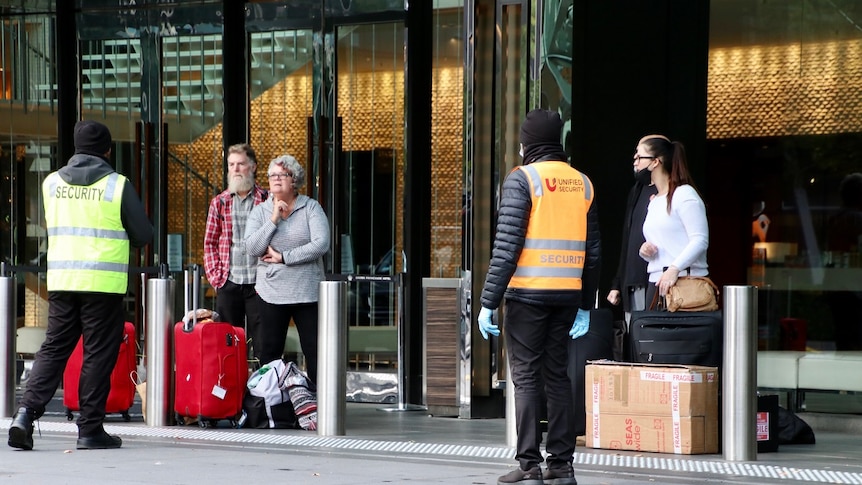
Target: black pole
235, 127
417, 185
67, 81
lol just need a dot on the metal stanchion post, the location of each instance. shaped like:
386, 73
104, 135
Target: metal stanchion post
8, 328
739, 379
332, 358
511, 423
160, 319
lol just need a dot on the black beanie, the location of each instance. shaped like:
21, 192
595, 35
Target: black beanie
541, 126
92, 137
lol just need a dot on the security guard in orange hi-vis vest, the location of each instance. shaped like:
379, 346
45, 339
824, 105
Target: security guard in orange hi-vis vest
93, 216
545, 262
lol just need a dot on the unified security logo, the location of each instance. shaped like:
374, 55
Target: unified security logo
565, 185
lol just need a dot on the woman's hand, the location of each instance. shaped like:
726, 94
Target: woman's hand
280, 210
614, 297
272, 256
648, 250
667, 280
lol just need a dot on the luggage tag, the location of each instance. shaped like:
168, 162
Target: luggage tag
219, 391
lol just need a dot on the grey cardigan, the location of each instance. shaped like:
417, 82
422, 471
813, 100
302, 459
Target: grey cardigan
302, 239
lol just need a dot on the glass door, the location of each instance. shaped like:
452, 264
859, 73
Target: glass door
369, 159
281, 80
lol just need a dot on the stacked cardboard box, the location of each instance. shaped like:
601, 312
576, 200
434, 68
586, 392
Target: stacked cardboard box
652, 407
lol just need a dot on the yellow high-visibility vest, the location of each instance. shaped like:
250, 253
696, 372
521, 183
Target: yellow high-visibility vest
88, 248
556, 239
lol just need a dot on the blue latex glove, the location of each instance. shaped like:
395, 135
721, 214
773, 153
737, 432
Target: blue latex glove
486, 324
581, 325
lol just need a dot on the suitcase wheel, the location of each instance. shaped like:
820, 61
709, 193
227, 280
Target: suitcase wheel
207, 423
69, 415
126, 416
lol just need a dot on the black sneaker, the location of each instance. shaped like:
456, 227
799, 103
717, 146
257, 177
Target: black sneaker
533, 476
21, 429
560, 476
102, 441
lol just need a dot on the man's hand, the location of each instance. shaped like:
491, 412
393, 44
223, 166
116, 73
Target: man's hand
486, 324
581, 325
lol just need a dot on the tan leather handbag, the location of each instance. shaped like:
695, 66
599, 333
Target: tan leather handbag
693, 294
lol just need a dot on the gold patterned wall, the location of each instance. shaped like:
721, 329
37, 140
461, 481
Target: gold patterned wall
783, 90
372, 109
447, 165
278, 122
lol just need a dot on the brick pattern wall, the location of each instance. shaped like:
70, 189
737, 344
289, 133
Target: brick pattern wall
785, 90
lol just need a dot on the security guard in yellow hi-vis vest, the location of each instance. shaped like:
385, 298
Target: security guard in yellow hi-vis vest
93, 216
545, 262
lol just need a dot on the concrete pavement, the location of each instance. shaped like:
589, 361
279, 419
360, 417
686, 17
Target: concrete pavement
383, 447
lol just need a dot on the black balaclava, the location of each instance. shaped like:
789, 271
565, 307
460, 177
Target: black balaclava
540, 135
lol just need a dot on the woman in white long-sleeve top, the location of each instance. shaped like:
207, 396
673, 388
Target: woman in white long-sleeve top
289, 233
675, 228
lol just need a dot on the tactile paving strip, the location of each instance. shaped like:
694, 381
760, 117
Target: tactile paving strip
717, 468
609, 461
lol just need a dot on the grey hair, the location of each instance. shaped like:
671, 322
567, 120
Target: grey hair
289, 164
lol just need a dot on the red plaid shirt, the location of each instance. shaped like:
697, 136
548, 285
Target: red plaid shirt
218, 235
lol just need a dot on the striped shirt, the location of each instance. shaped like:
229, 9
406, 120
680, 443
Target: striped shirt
302, 239
242, 266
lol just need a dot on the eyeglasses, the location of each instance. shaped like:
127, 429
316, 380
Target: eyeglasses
638, 158
278, 176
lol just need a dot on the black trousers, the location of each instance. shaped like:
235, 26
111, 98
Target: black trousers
537, 342
99, 318
238, 305
274, 322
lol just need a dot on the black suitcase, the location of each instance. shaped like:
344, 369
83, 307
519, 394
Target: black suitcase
662, 337
596, 344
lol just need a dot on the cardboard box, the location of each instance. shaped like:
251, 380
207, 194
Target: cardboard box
648, 389
662, 434
673, 408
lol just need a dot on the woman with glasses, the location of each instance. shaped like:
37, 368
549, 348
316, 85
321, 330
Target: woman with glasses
289, 233
630, 282
675, 228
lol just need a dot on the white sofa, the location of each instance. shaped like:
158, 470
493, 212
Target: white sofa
796, 372
831, 371
778, 370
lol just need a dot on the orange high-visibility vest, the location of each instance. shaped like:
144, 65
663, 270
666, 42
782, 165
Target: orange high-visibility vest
556, 239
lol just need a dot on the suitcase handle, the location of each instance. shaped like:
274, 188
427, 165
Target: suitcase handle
192, 277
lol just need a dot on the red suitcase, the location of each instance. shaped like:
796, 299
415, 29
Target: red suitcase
211, 371
122, 384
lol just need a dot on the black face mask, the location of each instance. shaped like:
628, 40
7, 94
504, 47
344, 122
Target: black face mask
643, 177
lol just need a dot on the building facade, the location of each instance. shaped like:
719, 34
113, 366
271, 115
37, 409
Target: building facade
406, 120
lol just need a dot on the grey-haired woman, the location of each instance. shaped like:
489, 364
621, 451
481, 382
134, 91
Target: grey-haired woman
289, 233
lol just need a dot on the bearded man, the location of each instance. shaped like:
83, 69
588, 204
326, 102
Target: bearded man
229, 270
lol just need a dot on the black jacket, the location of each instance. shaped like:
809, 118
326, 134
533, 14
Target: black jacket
632, 269
512, 220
